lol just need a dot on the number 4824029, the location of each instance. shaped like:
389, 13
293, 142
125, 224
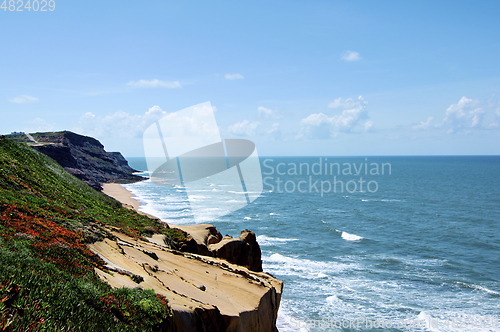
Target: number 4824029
35, 5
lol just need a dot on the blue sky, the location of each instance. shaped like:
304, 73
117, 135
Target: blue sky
295, 77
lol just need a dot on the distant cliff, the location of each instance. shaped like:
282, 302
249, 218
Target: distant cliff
85, 158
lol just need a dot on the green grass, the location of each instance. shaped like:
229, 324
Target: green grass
19, 138
47, 278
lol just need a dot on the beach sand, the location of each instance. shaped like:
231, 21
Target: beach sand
122, 195
199, 232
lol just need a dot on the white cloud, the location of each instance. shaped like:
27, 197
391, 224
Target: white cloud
275, 131
350, 56
244, 128
463, 114
477, 116
496, 120
368, 125
39, 125
423, 124
268, 113
322, 126
233, 77
155, 84
346, 103
119, 124
22, 99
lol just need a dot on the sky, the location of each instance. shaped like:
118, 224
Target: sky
305, 78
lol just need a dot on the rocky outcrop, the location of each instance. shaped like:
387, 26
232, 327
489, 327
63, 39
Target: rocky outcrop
85, 158
244, 250
205, 293
205, 239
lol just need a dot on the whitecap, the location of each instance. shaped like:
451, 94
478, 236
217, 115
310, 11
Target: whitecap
142, 173
351, 237
265, 240
484, 289
479, 288
333, 300
426, 318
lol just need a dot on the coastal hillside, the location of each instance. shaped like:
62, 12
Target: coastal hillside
73, 258
47, 277
82, 156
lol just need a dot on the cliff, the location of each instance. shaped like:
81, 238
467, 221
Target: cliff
85, 158
204, 293
73, 258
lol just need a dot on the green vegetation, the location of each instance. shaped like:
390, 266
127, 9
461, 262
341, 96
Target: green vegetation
47, 278
19, 138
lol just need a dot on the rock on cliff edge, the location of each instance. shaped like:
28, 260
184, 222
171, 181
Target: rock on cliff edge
205, 239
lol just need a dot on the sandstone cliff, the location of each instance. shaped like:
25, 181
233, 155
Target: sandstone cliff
205, 293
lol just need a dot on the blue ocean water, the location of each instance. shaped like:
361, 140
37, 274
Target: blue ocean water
416, 248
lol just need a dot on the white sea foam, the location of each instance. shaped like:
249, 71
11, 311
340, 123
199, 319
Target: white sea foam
248, 218
351, 237
479, 288
273, 214
333, 300
265, 240
197, 197
286, 322
484, 289
142, 173
303, 268
426, 318
237, 192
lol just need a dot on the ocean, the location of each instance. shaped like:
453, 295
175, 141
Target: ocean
369, 243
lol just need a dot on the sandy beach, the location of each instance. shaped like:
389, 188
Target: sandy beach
118, 192
124, 196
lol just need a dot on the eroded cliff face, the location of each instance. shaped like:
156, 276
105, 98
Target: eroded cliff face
205, 293
85, 158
